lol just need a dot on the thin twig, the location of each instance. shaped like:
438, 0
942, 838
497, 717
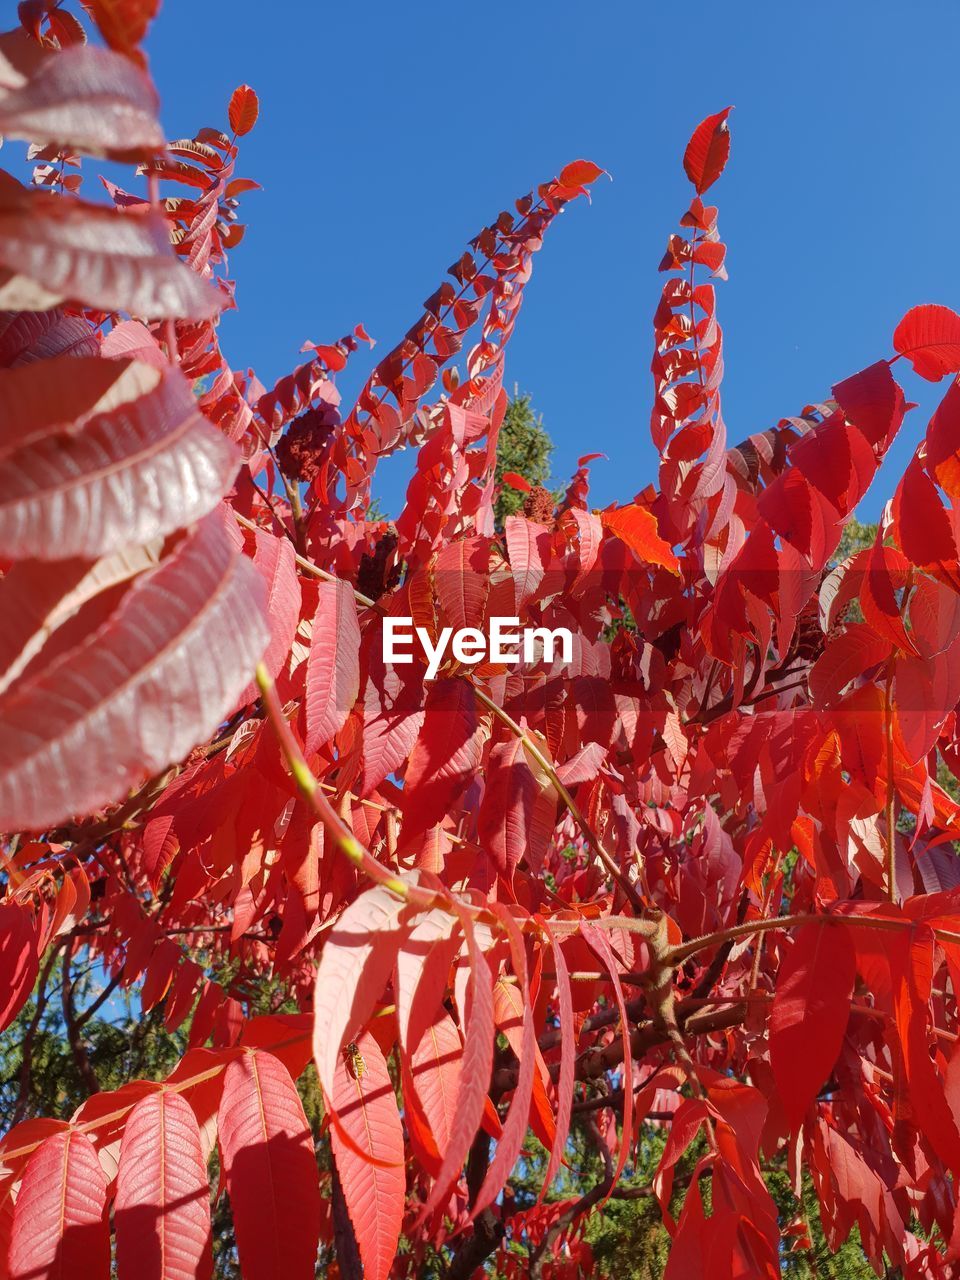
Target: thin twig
626, 886
891, 824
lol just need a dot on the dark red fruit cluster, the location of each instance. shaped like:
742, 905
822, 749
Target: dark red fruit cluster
539, 505
380, 571
301, 450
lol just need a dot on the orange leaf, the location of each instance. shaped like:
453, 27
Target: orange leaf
637, 527
579, 173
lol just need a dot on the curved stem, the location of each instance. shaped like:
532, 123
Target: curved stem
624, 883
312, 792
888, 923
309, 567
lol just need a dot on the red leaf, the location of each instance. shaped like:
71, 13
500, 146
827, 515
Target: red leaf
373, 1187
162, 1208
810, 1012
567, 1062
925, 531
244, 109
275, 560
18, 1145
85, 99
637, 527
580, 173
333, 664
943, 442
935, 617
461, 581
237, 186
18, 959
123, 23
431, 1084
68, 29
506, 811
912, 968
131, 340
516, 482
837, 459
510, 1019
285, 1035
392, 715
60, 1229
927, 690
529, 548
445, 756
886, 574
787, 506
475, 1069
271, 1170
600, 945
422, 977
515, 1125
108, 259
355, 964
96, 455
872, 400
431, 1047
26, 336
929, 337
139, 693
845, 657
708, 150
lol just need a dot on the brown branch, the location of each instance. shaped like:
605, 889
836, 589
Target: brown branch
26, 1049
93, 1008
885, 923
344, 1239
487, 1228
693, 1019
544, 1250
74, 1038
716, 966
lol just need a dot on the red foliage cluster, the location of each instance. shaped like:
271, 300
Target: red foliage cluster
703, 868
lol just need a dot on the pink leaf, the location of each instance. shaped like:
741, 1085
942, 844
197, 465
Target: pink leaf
333, 664
139, 693
271, 1170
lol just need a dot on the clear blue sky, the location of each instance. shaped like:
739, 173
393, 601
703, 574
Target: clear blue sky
392, 131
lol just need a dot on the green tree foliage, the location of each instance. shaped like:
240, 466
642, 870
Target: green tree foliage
524, 447
628, 1239
856, 536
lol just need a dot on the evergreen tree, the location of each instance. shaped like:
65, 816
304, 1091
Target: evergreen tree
523, 447
856, 536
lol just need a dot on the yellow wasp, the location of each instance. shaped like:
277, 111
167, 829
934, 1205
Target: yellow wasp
355, 1063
